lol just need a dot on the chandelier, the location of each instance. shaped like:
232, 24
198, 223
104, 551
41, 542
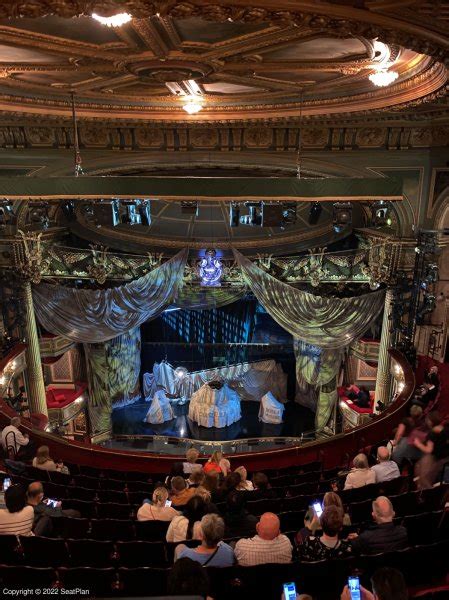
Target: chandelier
114, 21
383, 77
192, 106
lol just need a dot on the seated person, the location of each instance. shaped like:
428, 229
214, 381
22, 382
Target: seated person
42, 459
328, 545
42, 524
408, 429
12, 437
431, 377
386, 469
312, 525
190, 465
384, 536
245, 484
351, 391
61, 467
360, 474
387, 584
363, 398
268, 546
180, 493
196, 478
212, 552
158, 511
188, 578
262, 488
239, 523
186, 526
17, 518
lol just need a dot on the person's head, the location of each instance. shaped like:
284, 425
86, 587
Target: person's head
58, 461
331, 521
15, 498
192, 455
225, 466
260, 481
194, 511
212, 530
35, 493
235, 503
15, 422
268, 527
216, 457
203, 493
196, 477
360, 461
177, 470
433, 369
242, 472
383, 510
433, 419
42, 455
389, 584
160, 496
333, 499
187, 578
178, 485
232, 481
415, 411
383, 454
211, 482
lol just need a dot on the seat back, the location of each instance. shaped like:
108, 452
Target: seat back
41, 551
141, 554
93, 553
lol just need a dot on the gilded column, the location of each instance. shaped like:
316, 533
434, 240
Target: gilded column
35, 378
383, 380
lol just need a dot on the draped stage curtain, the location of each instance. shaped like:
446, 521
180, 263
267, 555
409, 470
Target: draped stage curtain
92, 316
113, 369
203, 298
322, 328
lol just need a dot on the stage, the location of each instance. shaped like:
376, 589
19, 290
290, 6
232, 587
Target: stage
129, 421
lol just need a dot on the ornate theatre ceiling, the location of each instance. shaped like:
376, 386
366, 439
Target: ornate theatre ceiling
273, 60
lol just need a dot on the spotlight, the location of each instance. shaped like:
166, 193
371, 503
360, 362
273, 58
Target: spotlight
428, 306
254, 218
189, 208
315, 212
144, 207
381, 215
181, 373
342, 216
6, 213
114, 21
431, 273
234, 214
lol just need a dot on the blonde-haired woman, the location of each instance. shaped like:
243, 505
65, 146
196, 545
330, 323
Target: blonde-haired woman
213, 465
42, 459
158, 511
190, 465
245, 484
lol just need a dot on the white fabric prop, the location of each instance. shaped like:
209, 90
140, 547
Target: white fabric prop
270, 410
160, 409
215, 408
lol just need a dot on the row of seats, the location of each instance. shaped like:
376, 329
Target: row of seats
323, 579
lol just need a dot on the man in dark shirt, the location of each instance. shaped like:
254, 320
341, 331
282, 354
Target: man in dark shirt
44, 513
238, 522
384, 536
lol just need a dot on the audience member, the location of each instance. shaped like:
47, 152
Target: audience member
213, 464
12, 437
245, 484
428, 391
186, 526
196, 478
312, 525
360, 474
262, 488
239, 523
188, 578
180, 493
384, 536
362, 398
387, 583
43, 512
211, 483
190, 465
158, 511
17, 518
386, 469
409, 429
268, 546
176, 470
435, 451
212, 552
42, 459
328, 545
230, 483
61, 467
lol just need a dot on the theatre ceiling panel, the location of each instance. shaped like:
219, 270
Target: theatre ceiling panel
262, 62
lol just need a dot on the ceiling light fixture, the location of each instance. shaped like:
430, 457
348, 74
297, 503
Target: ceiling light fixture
192, 106
114, 21
383, 77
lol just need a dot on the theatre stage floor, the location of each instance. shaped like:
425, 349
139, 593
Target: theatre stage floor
129, 421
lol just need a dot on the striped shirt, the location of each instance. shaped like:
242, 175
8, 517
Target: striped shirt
256, 551
18, 523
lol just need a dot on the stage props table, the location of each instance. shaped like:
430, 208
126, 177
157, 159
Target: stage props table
270, 410
160, 409
211, 407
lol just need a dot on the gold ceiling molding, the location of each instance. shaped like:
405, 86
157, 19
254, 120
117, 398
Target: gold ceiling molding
386, 20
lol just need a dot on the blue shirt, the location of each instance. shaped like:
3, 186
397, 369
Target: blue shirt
224, 557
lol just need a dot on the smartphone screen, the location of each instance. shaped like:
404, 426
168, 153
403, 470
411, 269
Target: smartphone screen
168, 503
51, 502
289, 591
318, 509
6, 483
354, 588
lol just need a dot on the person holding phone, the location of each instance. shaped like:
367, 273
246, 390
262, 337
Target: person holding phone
160, 510
388, 584
44, 512
329, 544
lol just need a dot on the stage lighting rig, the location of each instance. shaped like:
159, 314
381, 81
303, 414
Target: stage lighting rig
254, 216
381, 214
135, 212
189, 208
234, 214
342, 216
266, 214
